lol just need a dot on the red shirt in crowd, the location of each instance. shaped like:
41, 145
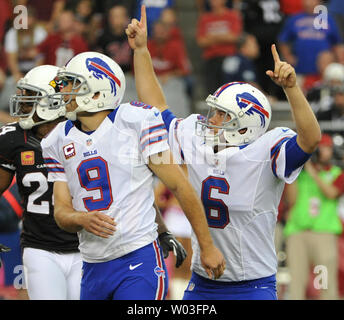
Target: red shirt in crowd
5, 15
290, 7
58, 52
169, 57
210, 23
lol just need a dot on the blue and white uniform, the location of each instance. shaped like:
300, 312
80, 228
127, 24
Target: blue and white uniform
107, 170
240, 188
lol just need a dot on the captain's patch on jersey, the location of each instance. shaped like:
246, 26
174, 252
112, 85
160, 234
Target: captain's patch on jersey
69, 150
27, 158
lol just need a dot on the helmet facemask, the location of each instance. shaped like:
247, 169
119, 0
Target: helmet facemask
219, 135
79, 88
31, 100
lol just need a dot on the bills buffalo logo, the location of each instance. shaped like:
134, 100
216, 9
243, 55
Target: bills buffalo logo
159, 272
101, 69
251, 106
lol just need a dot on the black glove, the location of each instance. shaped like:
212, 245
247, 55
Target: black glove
169, 243
3, 249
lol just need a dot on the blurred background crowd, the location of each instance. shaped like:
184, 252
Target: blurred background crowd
196, 46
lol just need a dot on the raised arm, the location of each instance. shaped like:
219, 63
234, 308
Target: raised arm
173, 177
148, 88
307, 127
73, 221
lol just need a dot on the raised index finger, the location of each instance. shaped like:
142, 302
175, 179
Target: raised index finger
143, 20
275, 53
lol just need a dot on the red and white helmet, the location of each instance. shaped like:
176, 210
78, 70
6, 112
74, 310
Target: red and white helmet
35, 90
247, 108
92, 73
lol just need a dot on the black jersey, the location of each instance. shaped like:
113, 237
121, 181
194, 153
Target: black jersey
20, 153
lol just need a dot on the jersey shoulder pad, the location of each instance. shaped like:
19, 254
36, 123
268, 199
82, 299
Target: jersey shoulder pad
134, 112
10, 130
12, 138
11, 135
54, 135
189, 123
280, 132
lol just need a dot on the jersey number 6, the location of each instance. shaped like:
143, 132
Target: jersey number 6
215, 209
94, 175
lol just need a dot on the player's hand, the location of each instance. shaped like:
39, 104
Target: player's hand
99, 224
284, 74
169, 243
213, 262
137, 31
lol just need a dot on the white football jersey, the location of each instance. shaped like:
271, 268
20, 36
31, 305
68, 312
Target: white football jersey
240, 188
107, 171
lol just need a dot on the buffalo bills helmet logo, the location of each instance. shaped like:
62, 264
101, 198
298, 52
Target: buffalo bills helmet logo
101, 69
245, 99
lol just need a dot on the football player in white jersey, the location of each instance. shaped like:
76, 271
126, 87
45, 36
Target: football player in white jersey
101, 162
238, 170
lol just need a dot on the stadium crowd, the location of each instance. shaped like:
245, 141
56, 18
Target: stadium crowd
233, 41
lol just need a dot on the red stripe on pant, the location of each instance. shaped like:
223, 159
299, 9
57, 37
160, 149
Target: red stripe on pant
160, 290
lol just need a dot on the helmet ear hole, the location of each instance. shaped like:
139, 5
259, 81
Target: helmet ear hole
96, 95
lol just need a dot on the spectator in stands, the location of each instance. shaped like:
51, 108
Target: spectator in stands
241, 67
17, 58
5, 90
114, 41
48, 11
204, 5
263, 19
58, 48
336, 9
321, 95
217, 34
300, 38
19, 44
171, 64
88, 24
290, 7
313, 224
323, 60
5, 86
335, 114
169, 18
153, 10
6, 10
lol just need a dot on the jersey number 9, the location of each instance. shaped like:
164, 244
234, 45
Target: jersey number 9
94, 175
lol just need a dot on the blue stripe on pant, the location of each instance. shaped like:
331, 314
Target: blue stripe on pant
139, 275
200, 288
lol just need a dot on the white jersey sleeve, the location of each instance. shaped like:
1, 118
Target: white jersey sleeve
279, 137
153, 135
51, 155
180, 132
